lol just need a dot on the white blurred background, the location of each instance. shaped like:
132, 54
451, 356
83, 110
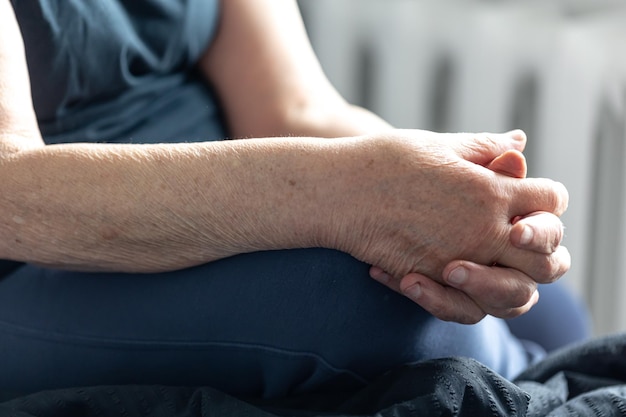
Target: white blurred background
555, 68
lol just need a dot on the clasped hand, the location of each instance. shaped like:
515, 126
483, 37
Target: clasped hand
456, 226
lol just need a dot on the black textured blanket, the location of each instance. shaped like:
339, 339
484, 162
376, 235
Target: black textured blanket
584, 380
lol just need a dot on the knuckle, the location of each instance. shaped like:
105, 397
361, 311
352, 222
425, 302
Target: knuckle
472, 318
554, 195
560, 197
442, 313
511, 313
482, 139
522, 295
550, 270
557, 238
564, 196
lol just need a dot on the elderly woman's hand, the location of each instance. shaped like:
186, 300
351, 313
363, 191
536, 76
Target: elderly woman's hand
472, 291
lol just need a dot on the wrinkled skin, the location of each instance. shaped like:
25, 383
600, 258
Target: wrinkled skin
468, 201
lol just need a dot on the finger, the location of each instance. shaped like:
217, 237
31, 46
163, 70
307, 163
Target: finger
511, 163
445, 303
494, 289
541, 267
378, 274
518, 135
539, 232
482, 148
532, 195
518, 311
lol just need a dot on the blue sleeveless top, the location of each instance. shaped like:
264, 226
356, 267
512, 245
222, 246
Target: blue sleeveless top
120, 70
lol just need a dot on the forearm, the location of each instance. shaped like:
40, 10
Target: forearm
269, 80
330, 121
141, 208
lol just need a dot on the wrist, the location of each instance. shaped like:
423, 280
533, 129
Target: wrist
284, 192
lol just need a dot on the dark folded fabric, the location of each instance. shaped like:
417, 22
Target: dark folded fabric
588, 379
443, 387
584, 380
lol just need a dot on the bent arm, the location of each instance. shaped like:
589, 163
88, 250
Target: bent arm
139, 207
142, 208
269, 80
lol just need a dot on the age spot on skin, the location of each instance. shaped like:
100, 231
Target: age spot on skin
292, 183
109, 233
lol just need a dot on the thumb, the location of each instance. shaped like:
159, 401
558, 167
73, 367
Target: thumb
511, 163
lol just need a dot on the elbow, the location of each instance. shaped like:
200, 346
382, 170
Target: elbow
15, 142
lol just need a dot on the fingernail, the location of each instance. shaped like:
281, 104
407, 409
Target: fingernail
381, 276
516, 134
414, 291
457, 276
527, 235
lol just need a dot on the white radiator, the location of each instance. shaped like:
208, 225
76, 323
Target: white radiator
556, 69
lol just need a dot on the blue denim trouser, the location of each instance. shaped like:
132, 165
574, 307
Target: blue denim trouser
265, 324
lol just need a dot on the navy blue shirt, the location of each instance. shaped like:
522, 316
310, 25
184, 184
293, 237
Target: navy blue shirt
120, 70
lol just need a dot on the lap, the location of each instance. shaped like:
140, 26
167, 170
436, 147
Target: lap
266, 323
